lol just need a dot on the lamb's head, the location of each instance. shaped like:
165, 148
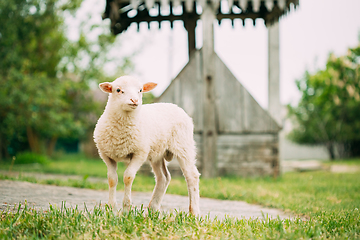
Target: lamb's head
126, 92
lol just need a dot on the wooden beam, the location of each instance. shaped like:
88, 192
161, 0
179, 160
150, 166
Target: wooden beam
171, 17
190, 26
189, 20
274, 86
274, 72
209, 164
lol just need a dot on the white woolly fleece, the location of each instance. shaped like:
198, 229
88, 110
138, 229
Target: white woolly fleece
131, 132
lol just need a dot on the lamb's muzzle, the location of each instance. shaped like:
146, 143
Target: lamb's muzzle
155, 132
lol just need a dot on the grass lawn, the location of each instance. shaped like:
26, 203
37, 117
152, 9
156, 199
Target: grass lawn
328, 204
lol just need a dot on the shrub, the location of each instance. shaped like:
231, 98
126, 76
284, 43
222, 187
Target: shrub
29, 157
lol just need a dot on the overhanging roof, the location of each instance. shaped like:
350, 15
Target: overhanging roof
124, 12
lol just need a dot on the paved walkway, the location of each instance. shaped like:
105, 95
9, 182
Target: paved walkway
40, 196
316, 165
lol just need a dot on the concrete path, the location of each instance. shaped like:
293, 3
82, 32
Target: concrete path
316, 165
40, 196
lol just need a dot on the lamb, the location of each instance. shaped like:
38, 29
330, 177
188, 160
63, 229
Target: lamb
132, 133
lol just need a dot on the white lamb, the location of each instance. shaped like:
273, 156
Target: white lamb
131, 132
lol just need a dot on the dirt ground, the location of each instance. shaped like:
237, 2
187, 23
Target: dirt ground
41, 196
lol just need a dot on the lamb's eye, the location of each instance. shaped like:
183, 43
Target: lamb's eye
140, 90
118, 90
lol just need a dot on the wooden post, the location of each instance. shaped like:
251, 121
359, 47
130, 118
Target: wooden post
209, 135
190, 25
190, 20
274, 72
274, 86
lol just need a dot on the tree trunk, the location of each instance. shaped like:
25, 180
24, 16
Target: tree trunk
354, 148
330, 148
33, 140
1, 149
4, 154
51, 146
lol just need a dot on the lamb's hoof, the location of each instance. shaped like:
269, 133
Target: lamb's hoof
153, 207
126, 209
196, 214
152, 210
194, 211
113, 206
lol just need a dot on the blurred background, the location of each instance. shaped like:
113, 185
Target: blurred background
54, 53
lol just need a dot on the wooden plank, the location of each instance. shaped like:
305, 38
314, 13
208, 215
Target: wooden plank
248, 155
186, 89
149, 4
256, 5
269, 5
134, 3
169, 94
189, 6
230, 4
234, 140
191, 88
229, 102
164, 3
238, 112
256, 118
281, 4
243, 4
241, 155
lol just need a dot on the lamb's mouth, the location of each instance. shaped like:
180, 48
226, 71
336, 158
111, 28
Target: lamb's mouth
133, 105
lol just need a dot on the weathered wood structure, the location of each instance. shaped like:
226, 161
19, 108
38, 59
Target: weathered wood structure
234, 134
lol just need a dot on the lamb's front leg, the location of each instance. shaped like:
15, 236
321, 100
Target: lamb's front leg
112, 179
129, 176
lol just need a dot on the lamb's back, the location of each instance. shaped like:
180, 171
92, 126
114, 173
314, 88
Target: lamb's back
164, 117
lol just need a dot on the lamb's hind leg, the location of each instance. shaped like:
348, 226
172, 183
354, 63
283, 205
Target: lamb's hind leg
191, 174
112, 179
162, 177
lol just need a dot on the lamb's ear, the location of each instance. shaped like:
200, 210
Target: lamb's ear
106, 87
149, 86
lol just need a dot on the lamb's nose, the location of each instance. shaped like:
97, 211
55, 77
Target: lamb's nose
134, 101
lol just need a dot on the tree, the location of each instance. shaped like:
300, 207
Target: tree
44, 77
329, 110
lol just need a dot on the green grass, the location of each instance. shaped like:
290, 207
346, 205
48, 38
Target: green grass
344, 162
101, 223
329, 202
71, 164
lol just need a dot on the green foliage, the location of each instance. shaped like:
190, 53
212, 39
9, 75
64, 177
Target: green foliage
148, 98
45, 78
329, 110
29, 157
30, 37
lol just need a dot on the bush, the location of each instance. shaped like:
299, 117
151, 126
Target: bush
29, 157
